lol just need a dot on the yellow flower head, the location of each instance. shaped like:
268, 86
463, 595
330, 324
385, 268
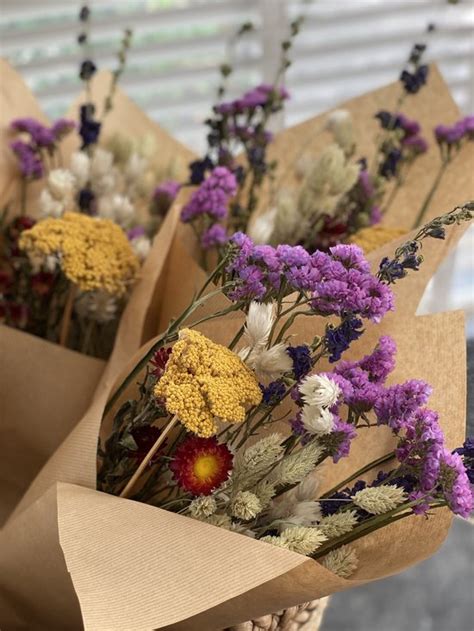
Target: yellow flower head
204, 381
374, 237
93, 253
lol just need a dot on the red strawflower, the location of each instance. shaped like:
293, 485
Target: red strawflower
42, 283
159, 361
201, 465
18, 225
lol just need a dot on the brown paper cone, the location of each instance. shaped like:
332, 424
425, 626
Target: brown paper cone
137, 567
431, 106
44, 390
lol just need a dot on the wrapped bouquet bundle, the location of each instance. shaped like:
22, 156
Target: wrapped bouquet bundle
272, 446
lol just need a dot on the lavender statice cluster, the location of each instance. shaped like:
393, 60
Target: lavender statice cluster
448, 135
36, 142
415, 75
163, 197
403, 145
209, 205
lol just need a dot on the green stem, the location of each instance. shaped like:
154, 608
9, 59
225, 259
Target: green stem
427, 201
357, 474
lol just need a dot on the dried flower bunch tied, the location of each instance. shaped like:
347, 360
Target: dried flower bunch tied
235, 435
105, 180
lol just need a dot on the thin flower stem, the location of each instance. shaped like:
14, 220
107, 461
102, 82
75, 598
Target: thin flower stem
67, 313
159, 441
394, 192
357, 474
427, 201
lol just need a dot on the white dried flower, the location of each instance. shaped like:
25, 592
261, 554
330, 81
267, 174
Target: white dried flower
299, 539
290, 226
305, 514
222, 521
203, 506
307, 489
105, 184
259, 322
101, 163
141, 246
262, 227
338, 524
50, 207
265, 491
379, 499
319, 390
343, 561
245, 505
80, 167
267, 363
61, 183
296, 466
117, 208
51, 262
303, 166
97, 305
339, 123
316, 420
136, 166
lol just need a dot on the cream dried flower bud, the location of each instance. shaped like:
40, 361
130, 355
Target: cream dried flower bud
61, 183
305, 513
298, 539
141, 246
338, 524
50, 207
99, 306
101, 163
296, 466
340, 124
222, 521
379, 499
262, 227
316, 420
259, 322
343, 561
267, 363
204, 506
136, 166
319, 390
80, 167
245, 505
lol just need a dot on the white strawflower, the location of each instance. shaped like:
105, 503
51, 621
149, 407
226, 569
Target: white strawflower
339, 123
141, 246
296, 466
262, 227
97, 305
80, 167
301, 495
101, 163
203, 506
61, 184
343, 561
50, 207
319, 390
338, 524
298, 539
379, 499
259, 322
245, 505
317, 420
268, 363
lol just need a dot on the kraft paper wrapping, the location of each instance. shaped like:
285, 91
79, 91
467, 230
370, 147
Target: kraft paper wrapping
431, 106
134, 566
112, 547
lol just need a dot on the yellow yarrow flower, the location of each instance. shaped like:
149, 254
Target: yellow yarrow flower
374, 237
204, 381
93, 253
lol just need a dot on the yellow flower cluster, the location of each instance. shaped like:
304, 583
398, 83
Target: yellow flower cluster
204, 381
93, 253
374, 237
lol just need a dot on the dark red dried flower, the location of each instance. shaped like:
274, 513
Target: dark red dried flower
159, 361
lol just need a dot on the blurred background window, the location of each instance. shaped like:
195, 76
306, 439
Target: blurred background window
345, 48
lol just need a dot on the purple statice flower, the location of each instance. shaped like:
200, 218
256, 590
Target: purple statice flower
397, 403
381, 362
375, 215
423, 507
455, 484
198, 170
31, 165
339, 338
409, 126
212, 197
298, 429
351, 257
251, 285
61, 128
389, 166
467, 454
388, 120
273, 393
301, 358
468, 123
343, 433
164, 195
364, 392
214, 236
416, 144
450, 134
136, 232
413, 81
40, 135
366, 184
